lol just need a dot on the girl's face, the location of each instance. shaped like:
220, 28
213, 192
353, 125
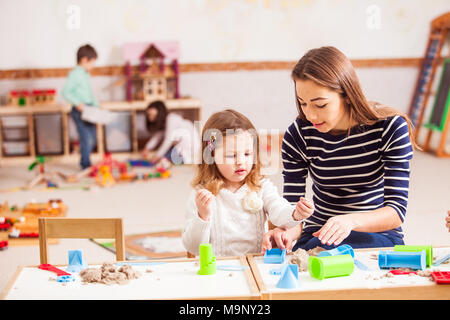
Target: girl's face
323, 107
152, 113
234, 159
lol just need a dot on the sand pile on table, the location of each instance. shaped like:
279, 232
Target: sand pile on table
109, 274
300, 257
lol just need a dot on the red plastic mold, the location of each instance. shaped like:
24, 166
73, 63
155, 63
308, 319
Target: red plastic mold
441, 277
398, 272
54, 269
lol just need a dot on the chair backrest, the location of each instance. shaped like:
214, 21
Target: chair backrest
81, 228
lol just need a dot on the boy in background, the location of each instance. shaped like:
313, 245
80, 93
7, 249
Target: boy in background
78, 92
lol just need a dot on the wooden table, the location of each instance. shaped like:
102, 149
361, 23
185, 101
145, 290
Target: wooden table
175, 279
178, 279
359, 285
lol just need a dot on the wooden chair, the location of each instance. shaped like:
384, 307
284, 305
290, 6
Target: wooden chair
74, 228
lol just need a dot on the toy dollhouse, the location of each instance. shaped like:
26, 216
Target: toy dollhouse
154, 79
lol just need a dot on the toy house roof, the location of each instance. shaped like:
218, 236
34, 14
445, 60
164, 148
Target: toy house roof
133, 51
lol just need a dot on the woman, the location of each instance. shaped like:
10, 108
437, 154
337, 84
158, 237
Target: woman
356, 152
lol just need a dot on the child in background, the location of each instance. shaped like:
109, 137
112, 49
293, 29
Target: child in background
232, 200
172, 137
78, 92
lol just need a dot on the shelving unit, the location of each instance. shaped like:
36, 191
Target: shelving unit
19, 126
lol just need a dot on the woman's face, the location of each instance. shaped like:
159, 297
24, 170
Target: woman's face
152, 113
323, 107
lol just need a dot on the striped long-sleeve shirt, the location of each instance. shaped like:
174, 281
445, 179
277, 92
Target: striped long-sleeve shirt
360, 172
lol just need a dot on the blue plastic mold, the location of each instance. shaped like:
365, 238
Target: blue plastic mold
343, 249
401, 259
65, 279
275, 255
76, 261
289, 277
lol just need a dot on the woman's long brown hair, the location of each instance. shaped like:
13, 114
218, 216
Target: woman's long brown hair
208, 176
329, 67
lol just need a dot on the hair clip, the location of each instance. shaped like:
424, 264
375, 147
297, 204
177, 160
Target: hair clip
211, 143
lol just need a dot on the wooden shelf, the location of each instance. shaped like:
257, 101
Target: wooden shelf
189, 108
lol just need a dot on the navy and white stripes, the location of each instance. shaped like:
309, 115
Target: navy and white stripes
360, 172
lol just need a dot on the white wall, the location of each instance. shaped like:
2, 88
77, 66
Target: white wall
266, 97
47, 33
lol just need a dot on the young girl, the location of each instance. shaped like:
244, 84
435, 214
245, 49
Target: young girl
356, 152
232, 201
172, 136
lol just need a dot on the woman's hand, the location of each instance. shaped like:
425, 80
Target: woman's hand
203, 199
336, 229
277, 237
303, 210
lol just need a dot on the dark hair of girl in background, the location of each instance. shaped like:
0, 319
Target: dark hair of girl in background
160, 122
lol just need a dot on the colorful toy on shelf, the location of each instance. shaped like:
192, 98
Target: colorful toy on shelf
397, 259
289, 277
43, 97
3, 245
330, 266
18, 98
275, 255
5, 226
76, 261
154, 80
207, 260
428, 249
36, 97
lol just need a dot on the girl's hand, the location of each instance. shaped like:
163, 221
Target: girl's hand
277, 237
203, 200
335, 230
304, 209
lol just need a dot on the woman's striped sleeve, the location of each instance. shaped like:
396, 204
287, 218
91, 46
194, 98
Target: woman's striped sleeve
295, 164
396, 150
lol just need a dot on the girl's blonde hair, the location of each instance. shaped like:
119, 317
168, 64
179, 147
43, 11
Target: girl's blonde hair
329, 67
208, 175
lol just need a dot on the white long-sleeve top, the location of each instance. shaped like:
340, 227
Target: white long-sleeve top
231, 229
180, 132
